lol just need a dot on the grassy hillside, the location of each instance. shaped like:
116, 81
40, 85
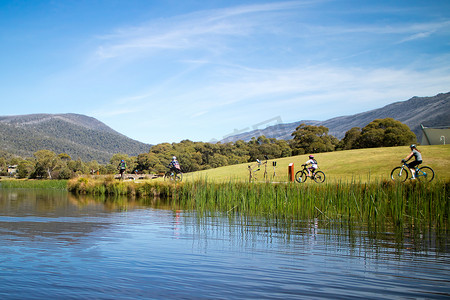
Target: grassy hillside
360, 165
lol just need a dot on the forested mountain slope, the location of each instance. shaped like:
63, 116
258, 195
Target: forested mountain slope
428, 111
77, 135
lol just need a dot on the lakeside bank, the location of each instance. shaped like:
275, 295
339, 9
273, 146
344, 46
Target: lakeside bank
384, 202
412, 200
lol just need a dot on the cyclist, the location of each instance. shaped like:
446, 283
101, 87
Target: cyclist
313, 164
122, 167
174, 165
417, 160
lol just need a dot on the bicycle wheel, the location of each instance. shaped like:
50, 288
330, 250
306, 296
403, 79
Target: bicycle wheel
300, 176
319, 177
399, 174
425, 174
168, 176
178, 176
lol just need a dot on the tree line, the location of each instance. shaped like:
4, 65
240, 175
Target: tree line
195, 156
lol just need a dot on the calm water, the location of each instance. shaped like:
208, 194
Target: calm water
56, 246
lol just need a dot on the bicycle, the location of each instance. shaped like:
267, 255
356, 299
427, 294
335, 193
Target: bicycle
302, 175
171, 175
122, 174
400, 174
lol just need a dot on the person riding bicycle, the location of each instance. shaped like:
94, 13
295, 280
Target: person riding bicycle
313, 164
174, 165
417, 160
122, 167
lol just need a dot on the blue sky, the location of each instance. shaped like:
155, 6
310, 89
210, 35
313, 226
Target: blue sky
165, 70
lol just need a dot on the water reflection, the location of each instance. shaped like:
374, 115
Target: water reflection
57, 245
69, 210
359, 239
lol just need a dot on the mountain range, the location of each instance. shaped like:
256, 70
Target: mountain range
87, 138
427, 111
77, 135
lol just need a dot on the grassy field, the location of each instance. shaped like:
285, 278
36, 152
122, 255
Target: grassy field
361, 165
33, 184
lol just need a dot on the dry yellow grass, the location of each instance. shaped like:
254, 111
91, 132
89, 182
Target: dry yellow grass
360, 165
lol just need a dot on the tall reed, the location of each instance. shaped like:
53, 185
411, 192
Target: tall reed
382, 203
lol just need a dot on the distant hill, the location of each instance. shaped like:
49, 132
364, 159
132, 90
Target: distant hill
79, 136
87, 138
428, 111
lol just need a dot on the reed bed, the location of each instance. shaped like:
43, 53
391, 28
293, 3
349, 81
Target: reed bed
383, 203
111, 187
34, 184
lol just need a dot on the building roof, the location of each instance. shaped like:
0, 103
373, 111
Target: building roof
435, 135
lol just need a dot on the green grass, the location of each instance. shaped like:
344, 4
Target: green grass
34, 184
361, 165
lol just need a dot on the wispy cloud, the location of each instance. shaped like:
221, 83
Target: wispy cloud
420, 35
201, 30
424, 30
327, 87
410, 28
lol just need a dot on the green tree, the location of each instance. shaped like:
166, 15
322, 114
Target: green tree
142, 162
25, 168
385, 133
64, 156
312, 139
46, 162
208, 150
78, 166
64, 173
3, 166
241, 149
284, 149
7, 159
262, 146
350, 140
218, 160
108, 169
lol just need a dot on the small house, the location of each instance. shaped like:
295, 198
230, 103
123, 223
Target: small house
12, 170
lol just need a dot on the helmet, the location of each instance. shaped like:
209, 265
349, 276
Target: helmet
174, 157
412, 146
122, 160
311, 156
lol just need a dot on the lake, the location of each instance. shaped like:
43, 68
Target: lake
55, 245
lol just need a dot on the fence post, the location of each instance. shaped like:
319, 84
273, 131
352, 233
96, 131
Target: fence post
291, 172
